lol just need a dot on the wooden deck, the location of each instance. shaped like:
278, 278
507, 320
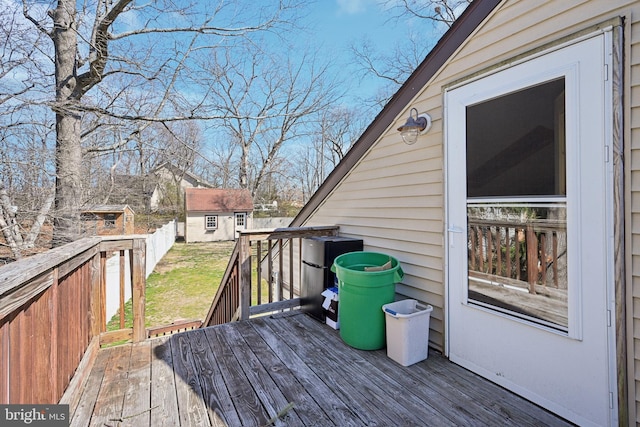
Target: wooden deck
246, 373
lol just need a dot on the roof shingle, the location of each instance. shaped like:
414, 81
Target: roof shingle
217, 200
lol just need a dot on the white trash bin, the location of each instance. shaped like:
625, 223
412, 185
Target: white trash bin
407, 327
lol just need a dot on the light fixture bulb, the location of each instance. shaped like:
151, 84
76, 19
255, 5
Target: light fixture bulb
410, 136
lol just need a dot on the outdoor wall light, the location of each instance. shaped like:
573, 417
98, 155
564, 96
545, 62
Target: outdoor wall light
417, 124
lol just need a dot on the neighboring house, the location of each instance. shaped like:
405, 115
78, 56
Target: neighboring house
514, 215
214, 214
141, 193
109, 220
172, 181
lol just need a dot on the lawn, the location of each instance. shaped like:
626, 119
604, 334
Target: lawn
183, 283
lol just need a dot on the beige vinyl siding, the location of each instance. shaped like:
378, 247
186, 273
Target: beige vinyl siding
632, 180
196, 231
393, 200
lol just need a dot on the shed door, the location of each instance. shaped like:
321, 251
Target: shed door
241, 220
530, 230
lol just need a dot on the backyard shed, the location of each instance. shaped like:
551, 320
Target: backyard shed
216, 214
109, 220
514, 216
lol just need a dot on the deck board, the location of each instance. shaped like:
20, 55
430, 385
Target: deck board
191, 407
246, 373
246, 401
220, 407
306, 406
264, 385
110, 399
137, 399
87, 402
164, 401
392, 379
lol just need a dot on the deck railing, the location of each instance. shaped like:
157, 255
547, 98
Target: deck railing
53, 317
263, 274
526, 252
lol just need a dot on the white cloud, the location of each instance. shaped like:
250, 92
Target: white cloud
352, 7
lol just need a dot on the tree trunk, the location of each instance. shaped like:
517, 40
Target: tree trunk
68, 198
243, 177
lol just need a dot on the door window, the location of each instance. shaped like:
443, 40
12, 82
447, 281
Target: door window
516, 204
241, 220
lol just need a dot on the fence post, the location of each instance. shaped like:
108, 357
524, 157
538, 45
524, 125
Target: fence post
96, 295
244, 258
138, 273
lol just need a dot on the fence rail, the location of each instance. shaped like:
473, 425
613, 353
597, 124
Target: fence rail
263, 273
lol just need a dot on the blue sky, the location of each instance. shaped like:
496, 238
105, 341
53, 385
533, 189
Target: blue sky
340, 23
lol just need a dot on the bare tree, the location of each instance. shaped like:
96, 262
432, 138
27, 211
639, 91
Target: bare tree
26, 187
149, 43
336, 130
219, 166
25, 172
394, 67
339, 129
267, 101
18, 235
442, 12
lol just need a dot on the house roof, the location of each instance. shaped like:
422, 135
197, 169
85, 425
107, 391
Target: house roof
176, 170
107, 209
132, 190
217, 200
461, 29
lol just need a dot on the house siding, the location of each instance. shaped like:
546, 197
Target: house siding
195, 227
394, 199
632, 182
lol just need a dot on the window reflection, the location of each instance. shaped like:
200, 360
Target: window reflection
517, 260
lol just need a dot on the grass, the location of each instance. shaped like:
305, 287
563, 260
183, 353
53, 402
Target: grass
182, 284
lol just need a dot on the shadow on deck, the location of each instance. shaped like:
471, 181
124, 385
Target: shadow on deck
286, 370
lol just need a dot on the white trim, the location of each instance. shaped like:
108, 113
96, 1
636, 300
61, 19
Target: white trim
511, 64
206, 222
610, 215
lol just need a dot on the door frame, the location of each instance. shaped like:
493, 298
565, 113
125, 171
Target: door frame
613, 135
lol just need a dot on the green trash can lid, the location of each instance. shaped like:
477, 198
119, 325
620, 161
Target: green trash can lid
367, 264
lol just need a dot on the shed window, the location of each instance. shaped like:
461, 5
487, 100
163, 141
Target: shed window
211, 222
110, 221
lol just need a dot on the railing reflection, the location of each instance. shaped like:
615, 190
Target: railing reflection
519, 265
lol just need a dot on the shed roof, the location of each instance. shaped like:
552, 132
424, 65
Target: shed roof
461, 29
217, 200
107, 209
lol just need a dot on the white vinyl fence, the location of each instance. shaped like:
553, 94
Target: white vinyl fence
158, 244
271, 222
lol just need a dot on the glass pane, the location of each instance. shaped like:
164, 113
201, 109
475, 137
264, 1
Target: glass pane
517, 260
515, 143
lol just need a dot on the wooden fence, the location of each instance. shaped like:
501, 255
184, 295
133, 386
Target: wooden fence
53, 317
263, 273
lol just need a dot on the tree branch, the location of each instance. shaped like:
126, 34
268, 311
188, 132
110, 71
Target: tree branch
99, 51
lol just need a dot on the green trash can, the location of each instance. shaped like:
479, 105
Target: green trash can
362, 295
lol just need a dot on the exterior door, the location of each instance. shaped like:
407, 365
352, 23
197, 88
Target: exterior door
530, 287
240, 220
